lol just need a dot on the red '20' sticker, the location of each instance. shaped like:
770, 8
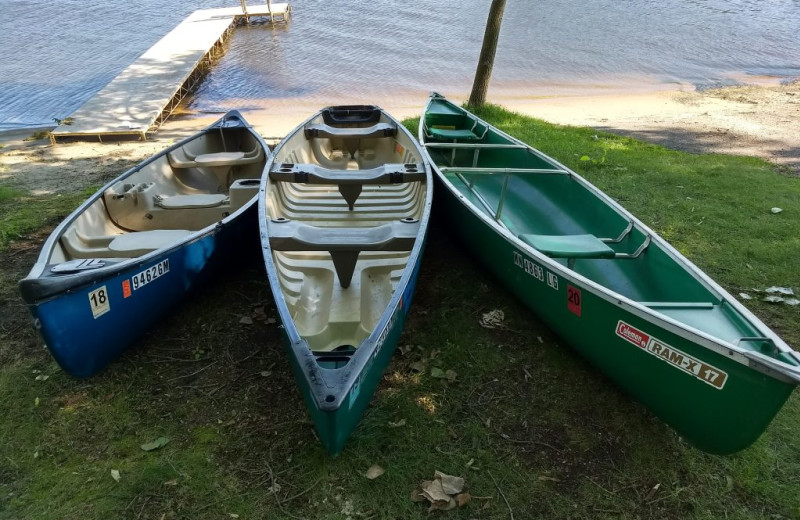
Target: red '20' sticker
574, 300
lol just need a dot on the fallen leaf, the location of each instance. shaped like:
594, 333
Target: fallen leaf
439, 506
432, 490
405, 349
269, 321
115, 474
545, 478
36, 403
773, 299
246, 320
779, 290
156, 444
775, 211
450, 375
42, 377
374, 472
493, 320
462, 499
437, 373
450, 484
416, 496
792, 301
652, 492
745, 296
265, 373
233, 515
398, 424
171, 482
417, 366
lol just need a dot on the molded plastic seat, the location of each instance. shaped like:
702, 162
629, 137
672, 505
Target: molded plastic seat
192, 201
343, 243
445, 133
142, 242
220, 158
569, 246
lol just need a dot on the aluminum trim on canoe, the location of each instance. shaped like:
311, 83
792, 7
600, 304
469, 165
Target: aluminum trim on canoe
764, 364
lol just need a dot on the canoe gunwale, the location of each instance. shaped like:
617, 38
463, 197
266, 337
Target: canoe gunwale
322, 383
764, 364
31, 286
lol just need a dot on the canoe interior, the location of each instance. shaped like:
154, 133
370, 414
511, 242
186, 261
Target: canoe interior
540, 202
166, 199
331, 316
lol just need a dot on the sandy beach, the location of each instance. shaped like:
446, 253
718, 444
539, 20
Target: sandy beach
755, 120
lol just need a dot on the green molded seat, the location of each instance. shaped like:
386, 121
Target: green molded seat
569, 246
458, 133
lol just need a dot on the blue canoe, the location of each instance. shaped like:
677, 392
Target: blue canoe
129, 253
344, 207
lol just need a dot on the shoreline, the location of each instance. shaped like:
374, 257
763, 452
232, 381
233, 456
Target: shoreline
755, 120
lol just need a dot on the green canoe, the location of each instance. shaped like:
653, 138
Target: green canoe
608, 285
344, 206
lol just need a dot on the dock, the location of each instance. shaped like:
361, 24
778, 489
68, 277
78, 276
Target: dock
141, 98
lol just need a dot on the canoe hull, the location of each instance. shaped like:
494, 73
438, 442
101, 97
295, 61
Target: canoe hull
717, 420
343, 281
132, 250
84, 337
335, 424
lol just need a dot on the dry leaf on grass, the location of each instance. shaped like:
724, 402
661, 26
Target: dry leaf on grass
443, 493
450, 484
374, 472
115, 474
494, 319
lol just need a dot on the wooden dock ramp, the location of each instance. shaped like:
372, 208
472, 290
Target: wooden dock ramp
145, 94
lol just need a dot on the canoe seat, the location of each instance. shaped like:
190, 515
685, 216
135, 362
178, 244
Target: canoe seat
138, 243
209, 200
343, 243
569, 246
453, 134
350, 182
184, 158
327, 131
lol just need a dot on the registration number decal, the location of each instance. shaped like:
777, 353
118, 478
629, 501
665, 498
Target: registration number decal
671, 355
98, 302
150, 274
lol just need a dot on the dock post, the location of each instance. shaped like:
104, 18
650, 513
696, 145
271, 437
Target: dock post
244, 10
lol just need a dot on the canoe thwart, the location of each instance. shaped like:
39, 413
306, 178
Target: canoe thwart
478, 146
678, 305
343, 243
331, 132
350, 182
486, 170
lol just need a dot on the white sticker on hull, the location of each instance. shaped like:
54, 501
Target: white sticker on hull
98, 302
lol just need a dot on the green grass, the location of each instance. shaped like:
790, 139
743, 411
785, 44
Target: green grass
21, 214
526, 421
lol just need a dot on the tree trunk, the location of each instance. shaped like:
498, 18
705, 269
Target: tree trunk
484, 71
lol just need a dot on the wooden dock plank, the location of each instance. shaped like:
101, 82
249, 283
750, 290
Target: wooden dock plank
136, 101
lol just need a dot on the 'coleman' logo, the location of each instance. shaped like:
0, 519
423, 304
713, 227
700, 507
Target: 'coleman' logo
635, 336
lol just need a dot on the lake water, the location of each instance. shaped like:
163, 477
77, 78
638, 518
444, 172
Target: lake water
57, 54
